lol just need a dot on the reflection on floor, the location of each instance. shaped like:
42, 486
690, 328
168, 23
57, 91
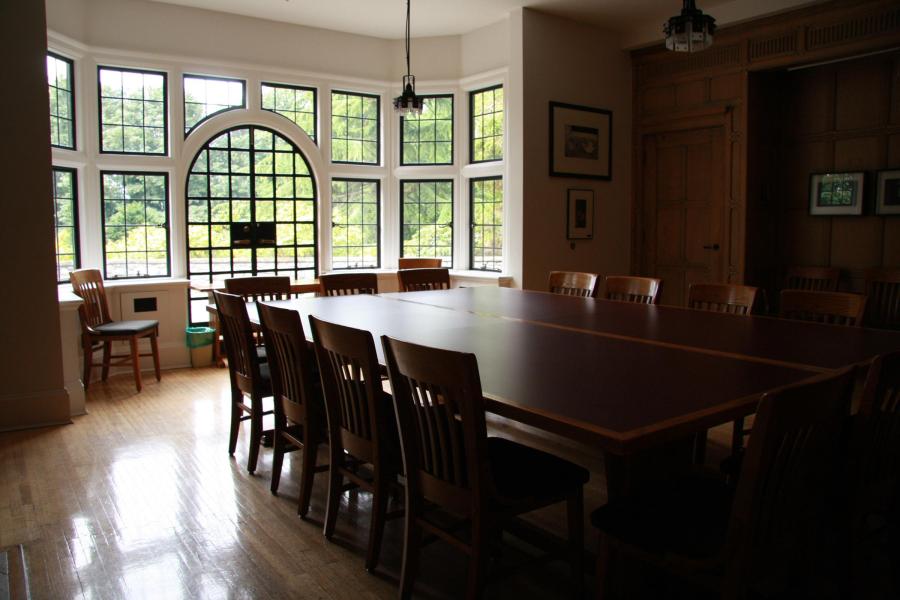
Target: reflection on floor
140, 499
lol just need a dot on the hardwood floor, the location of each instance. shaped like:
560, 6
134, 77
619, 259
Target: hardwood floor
140, 499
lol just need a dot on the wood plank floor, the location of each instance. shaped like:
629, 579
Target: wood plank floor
139, 498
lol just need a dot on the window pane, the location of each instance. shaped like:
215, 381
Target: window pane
206, 96
355, 223
427, 139
486, 127
133, 112
355, 127
427, 219
487, 223
65, 219
62, 110
296, 103
135, 224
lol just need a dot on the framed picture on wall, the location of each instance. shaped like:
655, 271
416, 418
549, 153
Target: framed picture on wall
580, 215
836, 193
887, 196
580, 141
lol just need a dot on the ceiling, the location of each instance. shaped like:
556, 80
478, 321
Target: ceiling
385, 18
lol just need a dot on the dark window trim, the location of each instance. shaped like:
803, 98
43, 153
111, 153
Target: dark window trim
377, 183
472, 124
165, 175
71, 62
452, 212
165, 77
377, 162
75, 222
472, 225
302, 88
452, 134
243, 104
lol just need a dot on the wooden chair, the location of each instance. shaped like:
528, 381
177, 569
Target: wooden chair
299, 408
752, 542
420, 263
417, 280
815, 279
625, 288
99, 331
883, 304
570, 283
259, 288
835, 308
361, 425
723, 298
249, 376
452, 467
348, 284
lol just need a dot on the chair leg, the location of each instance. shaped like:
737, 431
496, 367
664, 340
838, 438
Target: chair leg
376, 525
575, 515
136, 363
737, 436
277, 460
154, 347
412, 539
235, 424
310, 451
335, 482
107, 352
478, 560
604, 564
87, 349
255, 435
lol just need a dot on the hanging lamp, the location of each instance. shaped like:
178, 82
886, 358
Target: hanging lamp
691, 31
407, 102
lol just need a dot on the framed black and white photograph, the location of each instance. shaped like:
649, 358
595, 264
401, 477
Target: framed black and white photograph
580, 215
887, 196
836, 193
580, 141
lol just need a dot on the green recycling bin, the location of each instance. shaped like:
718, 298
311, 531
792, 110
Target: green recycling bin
200, 341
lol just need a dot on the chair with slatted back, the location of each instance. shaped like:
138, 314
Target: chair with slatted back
722, 297
883, 304
348, 284
571, 283
763, 539
299, 408
815, 279
417, 280
420, 263
453, 468
99, 331
259, 288
249, 376
835, 308
627, 288
361, 425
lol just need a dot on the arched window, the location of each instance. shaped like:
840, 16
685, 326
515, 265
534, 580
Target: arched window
251, 209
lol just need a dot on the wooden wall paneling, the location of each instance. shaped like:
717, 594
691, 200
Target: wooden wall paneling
726, 87
658, 99
859, 153
863, 93
690, 94
895, 93
891, 249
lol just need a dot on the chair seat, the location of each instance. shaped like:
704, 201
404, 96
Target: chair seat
688, 517
125, 327
520, 472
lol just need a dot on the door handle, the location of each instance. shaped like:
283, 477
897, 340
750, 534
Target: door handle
711, 247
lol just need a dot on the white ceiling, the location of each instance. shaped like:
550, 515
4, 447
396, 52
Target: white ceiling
385, 18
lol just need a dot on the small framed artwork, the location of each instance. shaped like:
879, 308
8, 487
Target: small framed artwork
580, 215
580, 141
836, 193
887, 196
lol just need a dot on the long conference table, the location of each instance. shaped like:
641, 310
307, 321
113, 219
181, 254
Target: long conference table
621, 377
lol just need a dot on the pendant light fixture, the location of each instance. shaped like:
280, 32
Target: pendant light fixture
407, 102
691, 31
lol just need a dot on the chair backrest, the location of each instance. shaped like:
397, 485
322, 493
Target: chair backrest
876, 436
626, 288
440, 414
240, 347
420, 263
835, 308
348, 284
787, 481
572, 283
883, 304
816, 279
88, 284
416, 280
722, 297
351, 385
297, 392
259, 288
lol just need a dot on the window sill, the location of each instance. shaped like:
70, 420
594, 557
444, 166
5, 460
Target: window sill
65, 293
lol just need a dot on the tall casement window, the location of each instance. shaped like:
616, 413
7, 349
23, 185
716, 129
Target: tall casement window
62, 101
205, 97
292, 102
135, 224
65, 220
251, 210
486, 196
355, 128
355, 223
486, 125
427, 139
426, 219
133, 111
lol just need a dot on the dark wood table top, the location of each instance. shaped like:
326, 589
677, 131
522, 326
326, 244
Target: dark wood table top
765, 339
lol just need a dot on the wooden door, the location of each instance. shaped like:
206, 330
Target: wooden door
684, 209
